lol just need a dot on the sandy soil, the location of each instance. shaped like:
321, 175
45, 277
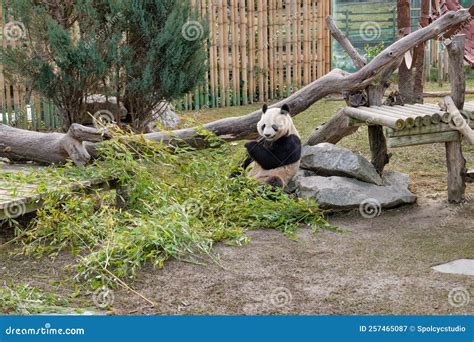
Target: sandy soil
376, 266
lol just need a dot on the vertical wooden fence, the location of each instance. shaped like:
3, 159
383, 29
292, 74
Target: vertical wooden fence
261, 50
16, 109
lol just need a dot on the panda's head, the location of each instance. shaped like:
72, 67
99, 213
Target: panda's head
275, 123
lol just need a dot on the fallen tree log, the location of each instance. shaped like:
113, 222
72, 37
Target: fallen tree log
16, 144
20, 145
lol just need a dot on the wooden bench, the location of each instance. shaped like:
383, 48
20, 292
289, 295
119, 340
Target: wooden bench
424, 124
411, 125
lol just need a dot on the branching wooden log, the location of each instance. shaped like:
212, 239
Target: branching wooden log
334, 82
455, 160
21, 145
54, 147
333, 131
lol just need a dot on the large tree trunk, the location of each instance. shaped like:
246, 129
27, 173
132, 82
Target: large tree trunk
54, 147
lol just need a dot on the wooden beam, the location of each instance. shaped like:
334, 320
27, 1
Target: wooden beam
374, 119
377, 140
458, 122
455, 160
421, 139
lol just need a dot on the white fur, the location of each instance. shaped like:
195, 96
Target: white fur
270, 132
282, 120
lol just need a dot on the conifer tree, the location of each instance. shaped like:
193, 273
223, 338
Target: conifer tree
143, 51
163, 57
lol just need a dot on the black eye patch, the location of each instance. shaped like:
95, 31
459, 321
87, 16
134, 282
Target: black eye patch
263, 127
275, 127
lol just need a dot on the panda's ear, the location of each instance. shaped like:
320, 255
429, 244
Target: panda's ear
285, 109
264, 108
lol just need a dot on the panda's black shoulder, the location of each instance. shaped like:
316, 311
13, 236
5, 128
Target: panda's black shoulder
291, 141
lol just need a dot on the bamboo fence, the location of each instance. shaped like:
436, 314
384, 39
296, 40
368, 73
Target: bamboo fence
260, 50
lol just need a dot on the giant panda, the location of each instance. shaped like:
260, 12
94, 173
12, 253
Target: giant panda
275, 157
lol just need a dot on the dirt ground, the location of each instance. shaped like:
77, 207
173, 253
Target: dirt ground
375, 266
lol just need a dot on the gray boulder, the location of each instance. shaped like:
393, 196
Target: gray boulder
292, 187
347, 193
329, 160
164, 115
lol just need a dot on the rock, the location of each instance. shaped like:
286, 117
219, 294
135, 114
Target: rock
291, 187
330, 160
164, 115
347, 193
103, 107
461, 266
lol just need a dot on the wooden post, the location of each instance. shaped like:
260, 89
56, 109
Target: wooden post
377, 140
281, 54
251, 28
225, 34
261, 52
455, 160
243, 51
306, 43
235, 53
222, 55
288, 51
271, 42
212, 55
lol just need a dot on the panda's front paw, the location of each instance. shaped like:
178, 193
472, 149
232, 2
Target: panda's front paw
250, 144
